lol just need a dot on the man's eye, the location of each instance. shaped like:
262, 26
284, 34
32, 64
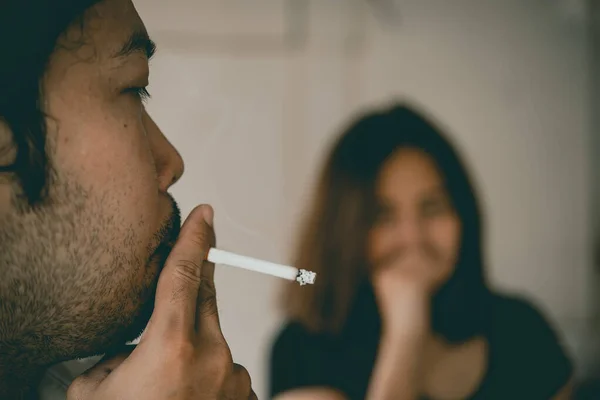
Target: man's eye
140, 92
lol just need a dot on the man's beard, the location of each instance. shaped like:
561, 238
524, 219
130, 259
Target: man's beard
166, 238
89, 281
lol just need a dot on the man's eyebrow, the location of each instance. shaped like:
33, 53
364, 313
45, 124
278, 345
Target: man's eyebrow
138, 42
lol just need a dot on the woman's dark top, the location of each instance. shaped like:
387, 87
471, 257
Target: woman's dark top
526, 360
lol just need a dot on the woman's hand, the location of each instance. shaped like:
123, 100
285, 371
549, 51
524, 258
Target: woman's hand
403, 285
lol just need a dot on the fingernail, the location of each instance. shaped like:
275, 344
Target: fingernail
209, 214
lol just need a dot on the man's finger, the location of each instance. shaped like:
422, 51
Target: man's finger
88, 381
208, 269
180, 281
207, 314
243, 380
105, 367
239, 384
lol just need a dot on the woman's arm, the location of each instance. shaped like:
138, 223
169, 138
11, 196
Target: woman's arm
403, 291
396, 373
311, 394
405, 328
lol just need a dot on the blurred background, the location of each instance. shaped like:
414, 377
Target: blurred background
252, 93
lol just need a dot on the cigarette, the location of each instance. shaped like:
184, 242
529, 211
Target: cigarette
302, 276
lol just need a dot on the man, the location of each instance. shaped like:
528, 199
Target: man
86, 221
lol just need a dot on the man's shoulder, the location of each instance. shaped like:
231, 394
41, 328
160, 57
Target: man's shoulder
58, 378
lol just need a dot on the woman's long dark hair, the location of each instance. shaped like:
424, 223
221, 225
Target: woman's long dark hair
334, 236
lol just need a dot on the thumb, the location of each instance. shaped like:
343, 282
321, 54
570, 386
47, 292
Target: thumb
180, 281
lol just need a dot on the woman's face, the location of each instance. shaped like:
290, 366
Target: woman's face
415, 213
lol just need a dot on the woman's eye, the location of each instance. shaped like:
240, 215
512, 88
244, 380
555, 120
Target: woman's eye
434, 208
140, 92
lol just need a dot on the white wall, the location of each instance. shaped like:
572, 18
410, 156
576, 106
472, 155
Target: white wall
251, 119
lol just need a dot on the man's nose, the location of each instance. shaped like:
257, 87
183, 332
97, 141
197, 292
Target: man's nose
168, 161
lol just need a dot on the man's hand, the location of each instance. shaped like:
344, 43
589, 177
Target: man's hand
183, 354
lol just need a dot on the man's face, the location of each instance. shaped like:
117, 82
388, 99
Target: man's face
80, 272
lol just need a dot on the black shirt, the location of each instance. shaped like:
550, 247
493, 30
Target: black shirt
526, 360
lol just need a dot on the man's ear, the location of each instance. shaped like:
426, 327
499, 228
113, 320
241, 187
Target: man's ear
8, 150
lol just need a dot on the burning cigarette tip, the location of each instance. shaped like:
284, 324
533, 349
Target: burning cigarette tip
306, 277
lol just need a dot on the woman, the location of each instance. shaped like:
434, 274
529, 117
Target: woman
401, 308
